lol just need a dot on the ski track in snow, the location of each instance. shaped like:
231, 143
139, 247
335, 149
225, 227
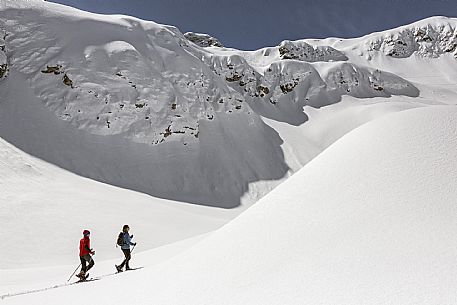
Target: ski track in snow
69, 283
9, 295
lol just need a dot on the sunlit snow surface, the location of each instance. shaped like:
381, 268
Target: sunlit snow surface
135, 104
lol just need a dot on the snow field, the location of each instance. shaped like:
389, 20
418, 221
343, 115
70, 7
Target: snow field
384, 233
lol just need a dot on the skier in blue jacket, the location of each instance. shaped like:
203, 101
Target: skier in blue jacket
125, 247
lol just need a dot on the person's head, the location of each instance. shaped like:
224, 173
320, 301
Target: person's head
125, 228
86, 233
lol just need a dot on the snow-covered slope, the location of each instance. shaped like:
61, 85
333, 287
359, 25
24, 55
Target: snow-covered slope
136, 104
140, 105
127, 102
369, 221
44, 208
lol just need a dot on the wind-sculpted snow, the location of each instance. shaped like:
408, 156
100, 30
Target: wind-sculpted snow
177, 109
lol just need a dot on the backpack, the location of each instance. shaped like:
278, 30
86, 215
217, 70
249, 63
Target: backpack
120, 239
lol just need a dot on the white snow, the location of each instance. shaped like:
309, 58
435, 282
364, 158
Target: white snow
44, 209
127, 92
366, 219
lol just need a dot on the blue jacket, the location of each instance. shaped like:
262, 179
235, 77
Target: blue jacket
127, 241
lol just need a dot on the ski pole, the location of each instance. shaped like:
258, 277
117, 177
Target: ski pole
74, 272
133, 248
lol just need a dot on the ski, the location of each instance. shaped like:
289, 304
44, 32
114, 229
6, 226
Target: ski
131, 269
87, 280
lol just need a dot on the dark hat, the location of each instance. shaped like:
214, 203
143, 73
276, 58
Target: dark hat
86, 232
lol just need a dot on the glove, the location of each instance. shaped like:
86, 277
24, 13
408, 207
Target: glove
92, 252
134, 244
131, 236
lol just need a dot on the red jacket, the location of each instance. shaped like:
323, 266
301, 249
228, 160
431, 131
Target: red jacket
84, 246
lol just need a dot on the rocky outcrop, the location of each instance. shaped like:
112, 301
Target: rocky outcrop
203, 40
300, 50
425, 40
361, 82
57, 69
287, 85
4, 68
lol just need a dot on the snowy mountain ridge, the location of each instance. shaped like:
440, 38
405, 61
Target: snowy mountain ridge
168, 105
122, 82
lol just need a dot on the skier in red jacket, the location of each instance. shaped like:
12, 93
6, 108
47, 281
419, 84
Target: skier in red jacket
85, 253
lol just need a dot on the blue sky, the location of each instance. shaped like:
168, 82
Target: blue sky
254, 24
